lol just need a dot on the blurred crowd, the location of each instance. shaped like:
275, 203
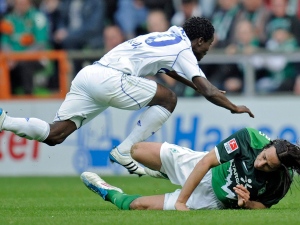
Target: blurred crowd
241, 27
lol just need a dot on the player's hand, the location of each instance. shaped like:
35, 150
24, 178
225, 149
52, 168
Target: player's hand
181, 206
242, 109
223, 92
243, 195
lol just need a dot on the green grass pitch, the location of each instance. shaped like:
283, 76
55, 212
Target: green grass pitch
65, 200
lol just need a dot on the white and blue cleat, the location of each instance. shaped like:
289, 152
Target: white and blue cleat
2, 118
126, 161
94, 183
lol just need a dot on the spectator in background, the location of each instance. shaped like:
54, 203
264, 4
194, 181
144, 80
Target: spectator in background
188, 9
207, 7
157, 21
130, 16
3, 8
25, 29
280, 18
81, 26
280, 74
245, 42
112, 36
224, 20
257, 13
3, 11
52, 11
283, 35
245, 39
167, 6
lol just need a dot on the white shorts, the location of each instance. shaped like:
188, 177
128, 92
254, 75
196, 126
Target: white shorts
178, 162
97, 87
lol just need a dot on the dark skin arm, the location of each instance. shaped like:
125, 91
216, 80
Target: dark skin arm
213, 94
175, 76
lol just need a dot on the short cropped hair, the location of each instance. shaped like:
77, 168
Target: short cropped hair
197, 27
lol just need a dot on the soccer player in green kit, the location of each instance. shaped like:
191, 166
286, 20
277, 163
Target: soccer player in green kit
246, 170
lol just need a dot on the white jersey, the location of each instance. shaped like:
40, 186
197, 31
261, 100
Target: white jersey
153, 53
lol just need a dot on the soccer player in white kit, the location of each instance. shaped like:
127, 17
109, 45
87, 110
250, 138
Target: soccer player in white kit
116, 80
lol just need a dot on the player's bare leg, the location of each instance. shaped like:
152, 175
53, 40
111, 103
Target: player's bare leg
148, 154
37, 129
161, 107
155, 202
116, 196
59, 131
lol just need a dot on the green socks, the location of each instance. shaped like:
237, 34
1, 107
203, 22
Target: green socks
121, 200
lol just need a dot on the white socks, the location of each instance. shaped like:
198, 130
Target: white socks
150, 121
29, 128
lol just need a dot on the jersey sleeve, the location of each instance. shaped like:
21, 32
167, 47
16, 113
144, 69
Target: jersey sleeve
241, 143
186, 65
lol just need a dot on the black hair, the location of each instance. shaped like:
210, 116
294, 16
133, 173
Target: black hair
197, 27
288, 154
289, 157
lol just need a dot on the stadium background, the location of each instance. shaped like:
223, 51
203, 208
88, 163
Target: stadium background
195, 123
40, 184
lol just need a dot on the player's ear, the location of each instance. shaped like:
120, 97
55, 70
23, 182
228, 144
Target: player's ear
200, 41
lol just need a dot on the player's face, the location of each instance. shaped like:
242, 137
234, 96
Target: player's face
201, 47
267, 160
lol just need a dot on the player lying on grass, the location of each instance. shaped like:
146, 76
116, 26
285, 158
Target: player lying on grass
117, 80
246, 170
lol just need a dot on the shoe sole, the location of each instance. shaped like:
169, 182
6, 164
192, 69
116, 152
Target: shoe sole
100, 191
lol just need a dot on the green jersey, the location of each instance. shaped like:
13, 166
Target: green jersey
33, 25
237, 154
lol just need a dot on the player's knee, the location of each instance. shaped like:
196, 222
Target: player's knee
171, 101
135, 150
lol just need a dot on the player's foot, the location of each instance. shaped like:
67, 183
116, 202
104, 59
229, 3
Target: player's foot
125, 160
156, 174
2, 118
93, 182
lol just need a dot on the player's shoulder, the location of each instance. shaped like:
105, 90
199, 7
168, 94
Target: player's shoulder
253, 131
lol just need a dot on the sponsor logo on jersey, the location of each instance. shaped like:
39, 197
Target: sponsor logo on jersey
231, 146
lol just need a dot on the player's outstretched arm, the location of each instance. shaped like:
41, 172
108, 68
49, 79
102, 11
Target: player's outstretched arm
175, 76
244, 199
213, 94
206, 163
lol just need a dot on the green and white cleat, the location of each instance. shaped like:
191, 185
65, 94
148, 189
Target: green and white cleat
2, 118
93, 182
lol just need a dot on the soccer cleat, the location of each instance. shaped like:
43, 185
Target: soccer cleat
2, 118
93, 182
156, 174
125, 160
